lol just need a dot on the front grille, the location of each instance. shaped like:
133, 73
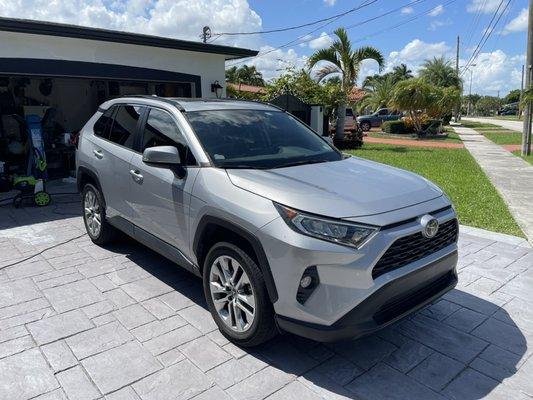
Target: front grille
415, 247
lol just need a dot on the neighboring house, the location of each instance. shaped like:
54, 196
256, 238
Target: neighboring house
356, 95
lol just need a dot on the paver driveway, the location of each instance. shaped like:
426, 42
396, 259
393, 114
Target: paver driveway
83, 322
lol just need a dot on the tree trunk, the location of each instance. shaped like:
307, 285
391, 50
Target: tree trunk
341, 117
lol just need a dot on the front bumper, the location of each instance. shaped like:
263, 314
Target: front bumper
390, 303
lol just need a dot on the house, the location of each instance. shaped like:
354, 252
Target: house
70, 70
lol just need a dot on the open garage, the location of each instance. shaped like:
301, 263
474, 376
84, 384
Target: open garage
56, 75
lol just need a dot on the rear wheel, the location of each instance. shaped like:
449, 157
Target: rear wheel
237, 297
98, 229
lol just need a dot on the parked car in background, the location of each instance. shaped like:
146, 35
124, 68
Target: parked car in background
350, 122
287, 232
376, 119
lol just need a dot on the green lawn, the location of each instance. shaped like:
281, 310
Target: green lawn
452, 136
457, 173
507, 117
529, 158
495, 133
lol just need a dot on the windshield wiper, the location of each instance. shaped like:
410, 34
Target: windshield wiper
301, 162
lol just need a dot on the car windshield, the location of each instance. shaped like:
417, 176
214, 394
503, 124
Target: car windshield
258, 139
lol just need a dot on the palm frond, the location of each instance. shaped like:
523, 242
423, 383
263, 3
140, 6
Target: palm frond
327, 70
328, 55
368, 53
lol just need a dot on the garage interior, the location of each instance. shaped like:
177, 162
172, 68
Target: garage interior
63, 106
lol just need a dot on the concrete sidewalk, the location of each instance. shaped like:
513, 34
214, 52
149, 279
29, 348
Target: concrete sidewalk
510, 175
507, 124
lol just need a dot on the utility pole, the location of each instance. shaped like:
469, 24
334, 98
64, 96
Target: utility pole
526, 134
457, 72
520, 106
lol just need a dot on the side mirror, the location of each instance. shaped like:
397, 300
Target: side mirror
167, 155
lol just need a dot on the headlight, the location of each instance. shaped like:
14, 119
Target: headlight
332, 230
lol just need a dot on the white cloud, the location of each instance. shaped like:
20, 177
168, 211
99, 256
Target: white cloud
495, 71
321, 42
483, 6
276, 62
330, 2
517, 24
183, 19
437, 11
436, 24
417, 51
407, 10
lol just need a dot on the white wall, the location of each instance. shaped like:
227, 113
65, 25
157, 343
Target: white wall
210, 67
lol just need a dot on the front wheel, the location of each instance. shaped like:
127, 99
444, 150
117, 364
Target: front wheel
365, 126
237, 297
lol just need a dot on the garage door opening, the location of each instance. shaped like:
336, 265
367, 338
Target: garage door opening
63, 105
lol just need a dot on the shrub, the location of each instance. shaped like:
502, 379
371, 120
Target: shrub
397, 127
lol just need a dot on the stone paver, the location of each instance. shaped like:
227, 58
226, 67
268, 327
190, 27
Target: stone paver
115, 323
509, 174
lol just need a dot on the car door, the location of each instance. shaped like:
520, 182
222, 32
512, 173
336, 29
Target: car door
113, 149
160, 195
382, 116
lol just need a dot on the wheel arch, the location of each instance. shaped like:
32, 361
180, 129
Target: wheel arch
212, 230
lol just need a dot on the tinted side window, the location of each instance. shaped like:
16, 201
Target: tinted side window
125, 125
383, 111
161, 130
103, 125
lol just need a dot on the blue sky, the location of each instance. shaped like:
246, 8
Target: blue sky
498, 66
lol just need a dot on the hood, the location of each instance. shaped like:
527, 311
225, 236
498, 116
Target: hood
352, 187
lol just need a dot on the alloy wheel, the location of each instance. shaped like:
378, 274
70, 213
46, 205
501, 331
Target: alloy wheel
232, 293
92, 212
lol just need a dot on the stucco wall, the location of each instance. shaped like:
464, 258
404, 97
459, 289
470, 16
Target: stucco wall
210, 67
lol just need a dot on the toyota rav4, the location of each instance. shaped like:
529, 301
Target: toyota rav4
287, 233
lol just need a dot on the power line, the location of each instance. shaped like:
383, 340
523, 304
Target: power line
413, 2
290, 28
487, 34
475, 22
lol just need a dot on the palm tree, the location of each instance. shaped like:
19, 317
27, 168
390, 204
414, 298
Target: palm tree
401, 73
246, 74
440, 72
379, 93
340, 59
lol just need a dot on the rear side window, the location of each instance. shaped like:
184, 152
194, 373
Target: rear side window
161, 130
103, 125
125, 125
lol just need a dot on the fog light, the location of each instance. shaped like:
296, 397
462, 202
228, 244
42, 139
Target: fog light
306, 281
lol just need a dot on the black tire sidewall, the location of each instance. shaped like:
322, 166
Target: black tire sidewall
365, 126
263, 309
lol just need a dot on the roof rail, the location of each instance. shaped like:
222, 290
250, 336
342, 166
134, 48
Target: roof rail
175, 103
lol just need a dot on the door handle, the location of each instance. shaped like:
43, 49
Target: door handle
136, 175
98, 154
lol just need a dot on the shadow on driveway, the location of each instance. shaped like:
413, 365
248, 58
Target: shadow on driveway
461, 347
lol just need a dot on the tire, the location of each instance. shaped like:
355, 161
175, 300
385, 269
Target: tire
262, 327
106, 233
365, 126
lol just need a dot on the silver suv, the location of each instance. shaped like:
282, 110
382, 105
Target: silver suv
288, 233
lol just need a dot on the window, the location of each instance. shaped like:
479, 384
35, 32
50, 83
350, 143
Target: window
383, 111
103, 125
161, 130
258, 139
125, 125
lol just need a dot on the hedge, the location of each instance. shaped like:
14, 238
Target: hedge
397, 127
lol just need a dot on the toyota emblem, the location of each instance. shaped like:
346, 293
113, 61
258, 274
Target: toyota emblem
430, 226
